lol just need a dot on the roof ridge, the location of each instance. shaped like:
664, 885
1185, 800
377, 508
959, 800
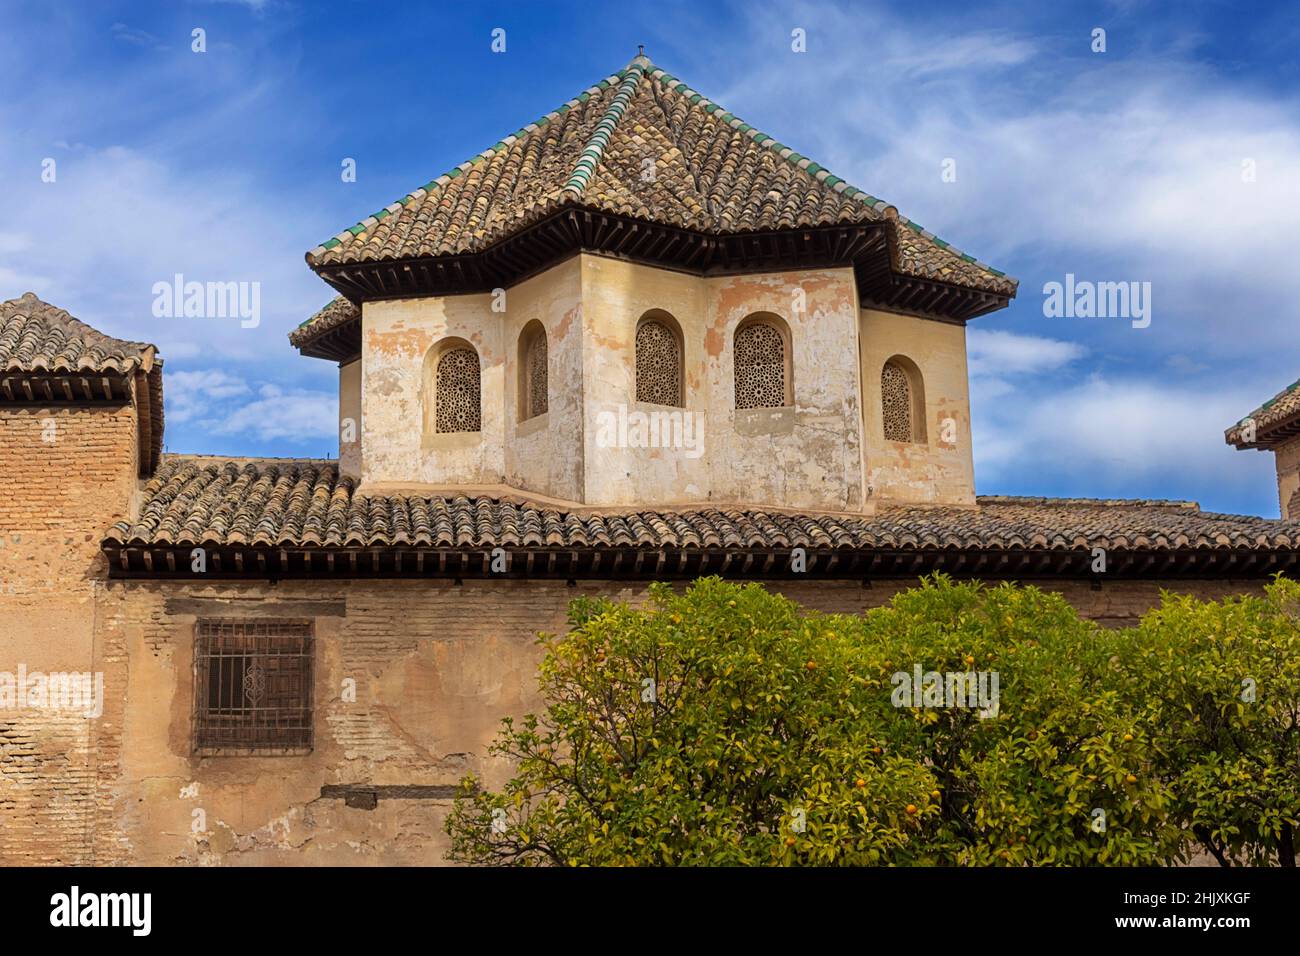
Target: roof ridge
1171, 503
178, 457
594, 151
66, 320
816, 170
439, 181
64, 342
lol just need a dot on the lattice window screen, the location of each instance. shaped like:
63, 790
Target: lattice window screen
896, 403
253, 685
658, 365
760, 367
537, 394
459, 405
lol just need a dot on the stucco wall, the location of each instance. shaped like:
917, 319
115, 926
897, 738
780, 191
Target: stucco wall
826, 451
435, 667
934, 471
807, 455
542, 455
350, 419
396, 337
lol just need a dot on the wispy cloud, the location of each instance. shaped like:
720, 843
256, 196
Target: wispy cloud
294, 415
994, 352
201, 393
135, 36
226, 404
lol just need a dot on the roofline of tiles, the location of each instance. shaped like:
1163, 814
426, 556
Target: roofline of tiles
642, 66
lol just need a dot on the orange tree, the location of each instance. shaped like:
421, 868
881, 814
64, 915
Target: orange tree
1222, 685
725, 726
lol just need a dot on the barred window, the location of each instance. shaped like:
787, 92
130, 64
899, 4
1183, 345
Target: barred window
658, 364
761, 371
896, 402
533, 372
458, 400
253, 686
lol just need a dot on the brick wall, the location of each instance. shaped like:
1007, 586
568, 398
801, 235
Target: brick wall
65, 475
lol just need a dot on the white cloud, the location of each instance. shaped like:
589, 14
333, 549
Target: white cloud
221, 403
138, 37
14, 242
993, 352
968, 52
1109, 167
199, 394
295, 415
1108, 430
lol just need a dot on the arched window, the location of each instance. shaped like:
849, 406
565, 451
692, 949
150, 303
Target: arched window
902, 401
658, 360
456, 391
762, 358
533, 393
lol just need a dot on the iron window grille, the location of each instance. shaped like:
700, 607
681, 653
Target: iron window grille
253, 686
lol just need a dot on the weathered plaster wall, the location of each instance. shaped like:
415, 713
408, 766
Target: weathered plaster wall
804, 456
436, 668
65, 475
935, 471
827, 451
350, 419
616, 295
542, 454
396, 337
1288, 475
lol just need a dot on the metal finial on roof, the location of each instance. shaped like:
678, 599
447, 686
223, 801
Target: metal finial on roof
640, 49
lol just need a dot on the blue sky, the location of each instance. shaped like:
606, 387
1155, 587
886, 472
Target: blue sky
1125, 165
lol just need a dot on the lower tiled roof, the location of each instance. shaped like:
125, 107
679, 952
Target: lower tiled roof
305, 504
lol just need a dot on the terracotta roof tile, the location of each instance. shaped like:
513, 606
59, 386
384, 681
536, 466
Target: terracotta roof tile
290, 503
642, 144
336, 313
1279, 411
38, 337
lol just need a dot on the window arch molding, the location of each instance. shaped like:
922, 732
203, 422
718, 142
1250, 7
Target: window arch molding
534, 371
659, 360
763, 369
902, 400
452, 388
